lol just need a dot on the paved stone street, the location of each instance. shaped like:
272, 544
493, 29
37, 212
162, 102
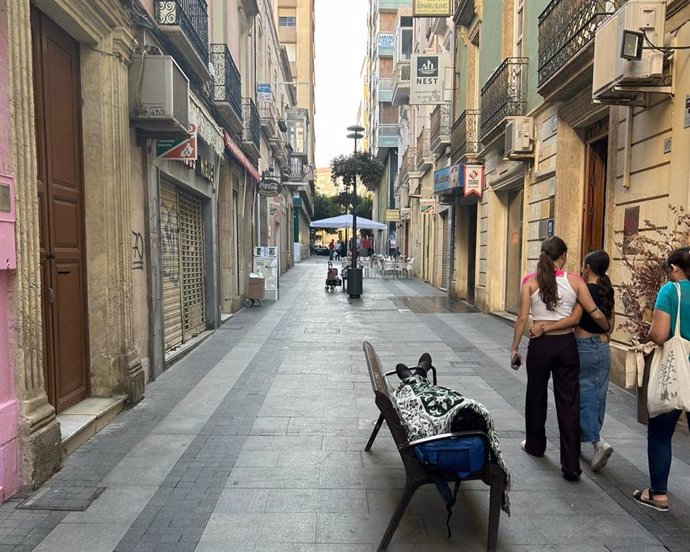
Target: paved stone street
254, 442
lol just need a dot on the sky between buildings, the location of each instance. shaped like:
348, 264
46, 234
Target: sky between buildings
341, 43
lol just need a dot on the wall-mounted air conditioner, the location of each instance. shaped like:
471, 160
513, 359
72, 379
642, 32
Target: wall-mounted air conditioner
158, 96
618, 80
519, 136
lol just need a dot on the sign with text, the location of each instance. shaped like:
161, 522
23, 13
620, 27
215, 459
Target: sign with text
427, 206
432, 8
405, 213
264, 92
392, 215
269, 187
473, 180
182, 148
426, 82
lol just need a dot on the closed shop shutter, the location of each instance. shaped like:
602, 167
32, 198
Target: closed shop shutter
445, 259
193, 264
172, 274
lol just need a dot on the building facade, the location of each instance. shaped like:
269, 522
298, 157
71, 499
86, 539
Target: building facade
131, 146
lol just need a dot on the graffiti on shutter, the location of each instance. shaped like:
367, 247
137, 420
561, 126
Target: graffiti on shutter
193, 264
172, 278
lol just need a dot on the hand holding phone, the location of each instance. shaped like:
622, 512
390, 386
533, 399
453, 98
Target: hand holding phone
515, 361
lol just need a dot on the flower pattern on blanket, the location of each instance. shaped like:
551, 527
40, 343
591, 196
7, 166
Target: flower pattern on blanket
427, 410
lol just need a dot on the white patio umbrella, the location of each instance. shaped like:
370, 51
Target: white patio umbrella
345, 221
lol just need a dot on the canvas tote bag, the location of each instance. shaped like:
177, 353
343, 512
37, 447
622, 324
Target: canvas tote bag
669, 379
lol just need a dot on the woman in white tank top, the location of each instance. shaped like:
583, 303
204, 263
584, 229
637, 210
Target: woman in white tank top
550, 295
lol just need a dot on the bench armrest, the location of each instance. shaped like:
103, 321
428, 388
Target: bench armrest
444, 436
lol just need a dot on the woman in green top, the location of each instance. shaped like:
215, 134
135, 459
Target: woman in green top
660, 429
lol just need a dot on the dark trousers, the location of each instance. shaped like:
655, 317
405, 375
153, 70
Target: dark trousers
557, 355
660, 431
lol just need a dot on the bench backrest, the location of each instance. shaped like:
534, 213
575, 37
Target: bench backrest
383, 400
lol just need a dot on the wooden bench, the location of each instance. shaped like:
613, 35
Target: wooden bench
416, 473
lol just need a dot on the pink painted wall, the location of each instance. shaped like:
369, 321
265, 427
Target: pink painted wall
9, 407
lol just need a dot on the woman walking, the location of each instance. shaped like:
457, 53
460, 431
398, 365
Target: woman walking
595, 354
661, 428
550, 295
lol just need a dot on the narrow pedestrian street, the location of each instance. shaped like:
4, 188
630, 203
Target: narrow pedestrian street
254, 443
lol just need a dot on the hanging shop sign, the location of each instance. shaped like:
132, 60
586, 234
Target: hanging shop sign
268, 187
392, 215
432, 8
473, 180
405, 213
427, 206
442, 180
179, 149
426, 84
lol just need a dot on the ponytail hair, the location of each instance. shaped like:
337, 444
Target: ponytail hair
551, 250
680, 258
598, 262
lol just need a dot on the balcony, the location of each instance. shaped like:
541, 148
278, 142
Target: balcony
227, 87
185, 23
385, 44
503, 95
251, 129
268, 118
384, 90
464, 138
401, 84
386, 138
566, 44
425, 158
440, 128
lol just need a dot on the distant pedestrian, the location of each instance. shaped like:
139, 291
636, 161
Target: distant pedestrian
660, 428
595, 354
336, 251
343, 250
551, 294
331, 249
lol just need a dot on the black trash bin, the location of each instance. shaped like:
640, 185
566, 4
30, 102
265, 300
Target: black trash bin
354, 283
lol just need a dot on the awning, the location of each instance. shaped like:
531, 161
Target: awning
345, 221
238, 154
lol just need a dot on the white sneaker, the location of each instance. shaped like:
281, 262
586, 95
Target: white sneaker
602, 453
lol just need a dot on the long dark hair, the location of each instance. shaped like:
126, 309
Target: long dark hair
599, 262
680, 258
551, 250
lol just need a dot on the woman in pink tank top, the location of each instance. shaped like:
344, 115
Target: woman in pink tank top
550, 295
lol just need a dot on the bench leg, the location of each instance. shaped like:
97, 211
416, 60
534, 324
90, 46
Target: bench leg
495, 500
374, 433
408, 493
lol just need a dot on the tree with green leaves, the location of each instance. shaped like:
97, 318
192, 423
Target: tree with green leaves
360, 164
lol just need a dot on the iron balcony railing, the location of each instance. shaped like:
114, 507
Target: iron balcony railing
440, 126
191, 16
504, 94
465, 135
423, 149
252, 126
406, 165
401, 83
227, 83
565, 28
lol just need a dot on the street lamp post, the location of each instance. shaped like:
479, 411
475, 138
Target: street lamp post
354, 277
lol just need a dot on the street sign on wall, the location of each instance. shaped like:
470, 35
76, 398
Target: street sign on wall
426, 82
432, 8
392, 215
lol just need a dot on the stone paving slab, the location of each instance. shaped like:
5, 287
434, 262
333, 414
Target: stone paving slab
253, 442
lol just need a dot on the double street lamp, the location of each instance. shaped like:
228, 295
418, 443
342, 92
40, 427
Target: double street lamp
354, 277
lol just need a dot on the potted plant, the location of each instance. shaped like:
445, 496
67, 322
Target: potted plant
643, 254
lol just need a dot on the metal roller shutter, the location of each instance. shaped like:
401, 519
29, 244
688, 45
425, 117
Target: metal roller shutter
445, 259
172, 277
193, 264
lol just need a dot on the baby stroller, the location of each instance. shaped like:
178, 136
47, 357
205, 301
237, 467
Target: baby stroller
332, 280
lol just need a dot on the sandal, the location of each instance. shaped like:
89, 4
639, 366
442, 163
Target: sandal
649, 502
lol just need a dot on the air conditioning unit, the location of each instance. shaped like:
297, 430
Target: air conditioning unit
616, 78
158, 96
519, 136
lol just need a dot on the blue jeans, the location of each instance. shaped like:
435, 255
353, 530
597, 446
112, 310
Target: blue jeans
595, 365
659, 433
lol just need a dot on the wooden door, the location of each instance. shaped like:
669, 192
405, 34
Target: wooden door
514, 251
61, 203
595, 189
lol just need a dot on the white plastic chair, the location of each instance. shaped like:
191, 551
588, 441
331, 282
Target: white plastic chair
408, 270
